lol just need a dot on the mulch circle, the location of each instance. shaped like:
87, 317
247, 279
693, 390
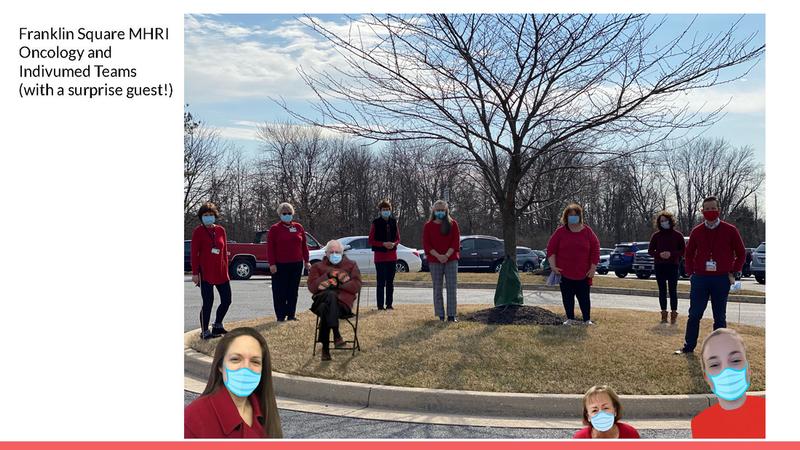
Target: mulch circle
515, 315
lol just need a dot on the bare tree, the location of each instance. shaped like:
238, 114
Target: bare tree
203, 153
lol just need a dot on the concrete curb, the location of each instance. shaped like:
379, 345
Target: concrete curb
442, 401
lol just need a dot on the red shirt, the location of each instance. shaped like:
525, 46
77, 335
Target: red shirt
388, 255
723, 243
212, 268
625, 431
432, 239
667, 241
575, 251
285, 245
745, 422
215, 416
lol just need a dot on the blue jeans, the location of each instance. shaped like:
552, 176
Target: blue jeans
703, 286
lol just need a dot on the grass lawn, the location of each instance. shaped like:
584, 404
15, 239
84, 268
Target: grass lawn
407, 347
630, 282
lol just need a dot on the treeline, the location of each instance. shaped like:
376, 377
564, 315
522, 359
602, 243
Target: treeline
335, 182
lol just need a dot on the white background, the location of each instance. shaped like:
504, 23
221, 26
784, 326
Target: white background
92, 300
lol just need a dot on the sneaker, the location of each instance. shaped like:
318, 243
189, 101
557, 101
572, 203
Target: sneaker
218, 330
569, 322
452, 319
683, 351
588, 322
326, 355
389, 307
339, 343
206, 335
293, 318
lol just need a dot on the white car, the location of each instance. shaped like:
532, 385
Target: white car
357, 249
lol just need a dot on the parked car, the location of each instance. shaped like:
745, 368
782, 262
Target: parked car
759, 265
187, 256
478, 252
644, 264
246, 259
621, 259
747, 261
357, 249
602, 266
527, 259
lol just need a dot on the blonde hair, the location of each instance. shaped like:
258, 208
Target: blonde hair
602, 389
283, 206
448, 221
720, 332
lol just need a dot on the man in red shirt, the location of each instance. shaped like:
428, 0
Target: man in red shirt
714, 253
725, 367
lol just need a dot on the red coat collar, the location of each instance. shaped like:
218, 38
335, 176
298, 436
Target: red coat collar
227, 414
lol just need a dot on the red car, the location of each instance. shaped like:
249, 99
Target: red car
247, 259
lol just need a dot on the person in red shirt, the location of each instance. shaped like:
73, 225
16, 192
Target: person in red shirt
441, 240
209, 255
602, 411
239, 400
725, 369
573, 252
287, 253
714, 253
666, 247
384, 236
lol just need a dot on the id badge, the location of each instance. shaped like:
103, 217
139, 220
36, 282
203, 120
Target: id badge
293, 230
215, 251
711, 266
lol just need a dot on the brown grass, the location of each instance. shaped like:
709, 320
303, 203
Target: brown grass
407, 347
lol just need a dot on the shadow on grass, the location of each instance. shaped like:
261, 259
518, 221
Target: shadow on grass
666, 330
695, 371
554, 335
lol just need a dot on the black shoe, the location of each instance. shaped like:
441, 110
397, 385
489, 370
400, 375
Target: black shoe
683, 351
293, 318
206, 335
218, 330
389, 307
452, 319
381, 308
281, 319
441, 318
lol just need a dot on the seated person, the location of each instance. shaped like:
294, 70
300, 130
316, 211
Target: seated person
601, 413
725, 369
335, 282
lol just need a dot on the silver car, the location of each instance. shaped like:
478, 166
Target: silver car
758, 267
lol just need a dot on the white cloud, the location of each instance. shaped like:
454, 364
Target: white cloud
737, 100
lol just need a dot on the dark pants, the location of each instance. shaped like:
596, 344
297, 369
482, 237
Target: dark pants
667, 276
703, 286
207, 293
285, 283
575, 288
326, 305
386, 272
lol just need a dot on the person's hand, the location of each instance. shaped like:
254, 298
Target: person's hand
196, 280
388, 245
442, 259
664, 255
324, 285
555, 270
590, 273
731, 278
308, 266
343, 277
273, 268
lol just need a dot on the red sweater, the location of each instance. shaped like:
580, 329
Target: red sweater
723, 243
347, 292
575, 251
432, 239
215, 416
625, 432
285, 245
387, 256
667, 241
745, 422
212, 268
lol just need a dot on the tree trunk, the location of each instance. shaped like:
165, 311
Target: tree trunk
510, 219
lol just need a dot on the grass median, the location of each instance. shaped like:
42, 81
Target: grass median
408, 347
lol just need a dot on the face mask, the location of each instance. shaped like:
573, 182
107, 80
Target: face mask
573, 220
440, 214
208, 220
711, 215
386, 214
730, 384
665, 225
335, 258
602, 421
286, 218
242, 382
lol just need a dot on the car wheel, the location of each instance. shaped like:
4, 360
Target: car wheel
620, 274
642, 275
602, 271
242, 269
400, 266
762, 279
527, 267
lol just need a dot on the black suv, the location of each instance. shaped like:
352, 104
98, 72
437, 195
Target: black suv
480, 252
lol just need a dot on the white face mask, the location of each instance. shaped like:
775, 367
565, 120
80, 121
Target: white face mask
665, 224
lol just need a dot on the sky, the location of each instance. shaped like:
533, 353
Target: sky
235, 63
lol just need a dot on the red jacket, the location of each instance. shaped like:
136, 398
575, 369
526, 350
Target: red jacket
387, 256
432, 239
575, 251
215, 416
723, 243
212, 268
625, 432
347, 292
285, 245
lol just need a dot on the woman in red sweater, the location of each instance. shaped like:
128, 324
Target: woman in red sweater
287, 253
239, 400
441, 240
209, 255
573, 253
666, 248
601, 413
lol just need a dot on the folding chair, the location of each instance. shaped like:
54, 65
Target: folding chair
354, 345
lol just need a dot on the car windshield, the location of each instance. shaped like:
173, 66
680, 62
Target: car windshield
622, 248
762, 248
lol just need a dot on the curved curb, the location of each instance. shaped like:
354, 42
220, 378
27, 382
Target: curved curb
497, 404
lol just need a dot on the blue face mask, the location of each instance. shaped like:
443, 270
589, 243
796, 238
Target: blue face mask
386, 214
241, 382
602, 421
573, 220
665, 225
335, 258
440, 214
730, 384
286, 218
208, 220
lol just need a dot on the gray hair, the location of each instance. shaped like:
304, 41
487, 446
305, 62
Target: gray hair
333, 243
283, 206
